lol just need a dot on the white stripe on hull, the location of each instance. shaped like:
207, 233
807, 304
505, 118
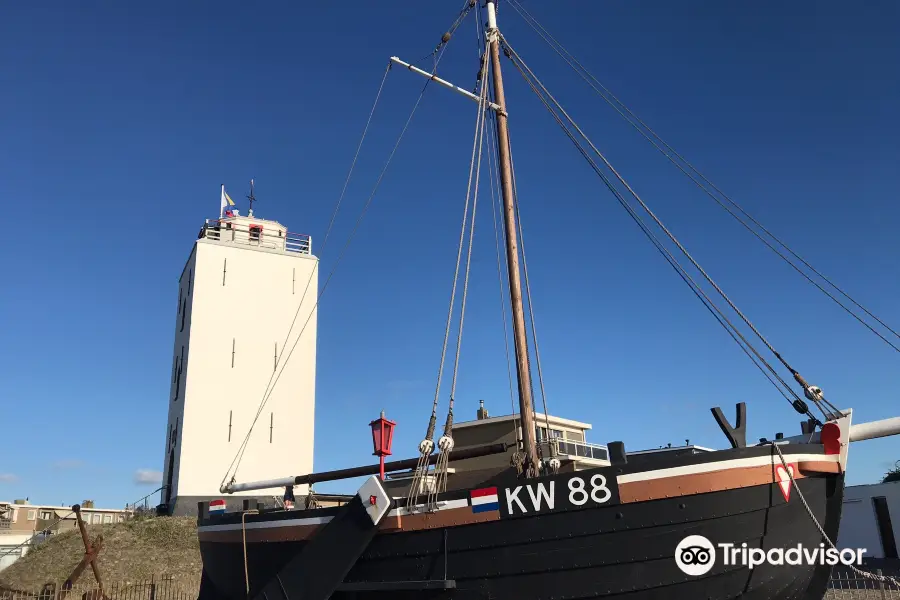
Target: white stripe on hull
445, 505
266, 524
722, 465
737, 463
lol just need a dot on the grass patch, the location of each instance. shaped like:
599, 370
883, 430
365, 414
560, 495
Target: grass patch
132, 551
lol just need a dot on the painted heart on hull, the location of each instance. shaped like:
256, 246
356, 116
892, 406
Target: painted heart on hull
783, 479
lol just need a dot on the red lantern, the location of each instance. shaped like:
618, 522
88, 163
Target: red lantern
382, 438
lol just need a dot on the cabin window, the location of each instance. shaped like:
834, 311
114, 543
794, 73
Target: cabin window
575, 436
255, 232
46, 515
32, 515
541, 433
95, 519
107, 519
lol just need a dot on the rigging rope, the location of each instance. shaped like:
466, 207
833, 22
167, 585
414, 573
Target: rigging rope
236, 460
871, 576
445, 443
337, 262
641, 127
551, 443
798, 403
813, 393
448, 426
496, 201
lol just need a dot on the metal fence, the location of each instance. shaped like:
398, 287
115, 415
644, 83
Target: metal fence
161, 588
842, 586
850, 586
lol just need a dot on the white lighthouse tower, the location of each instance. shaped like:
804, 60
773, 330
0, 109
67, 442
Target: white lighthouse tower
243, 284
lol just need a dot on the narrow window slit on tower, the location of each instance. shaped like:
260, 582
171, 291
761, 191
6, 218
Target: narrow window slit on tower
224, 270
230, 412
294, 280
271, 425
190, 281
183, 312
178, 375
180, 294
232, 352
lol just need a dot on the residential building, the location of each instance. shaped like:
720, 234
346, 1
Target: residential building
23, 524
245, 282
871, 519
575, 453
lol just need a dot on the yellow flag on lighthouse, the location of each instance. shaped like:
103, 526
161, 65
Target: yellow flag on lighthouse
225, 201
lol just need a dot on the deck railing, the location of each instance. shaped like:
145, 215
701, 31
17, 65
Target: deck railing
575, 450
256, 236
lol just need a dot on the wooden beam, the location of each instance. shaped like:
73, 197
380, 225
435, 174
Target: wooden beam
91, 550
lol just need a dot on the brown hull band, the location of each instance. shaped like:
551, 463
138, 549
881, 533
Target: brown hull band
690, 484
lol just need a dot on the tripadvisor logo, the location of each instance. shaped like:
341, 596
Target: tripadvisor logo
695, 555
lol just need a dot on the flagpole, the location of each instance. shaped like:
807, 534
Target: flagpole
222, 203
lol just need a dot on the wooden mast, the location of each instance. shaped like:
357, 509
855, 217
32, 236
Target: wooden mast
526, 411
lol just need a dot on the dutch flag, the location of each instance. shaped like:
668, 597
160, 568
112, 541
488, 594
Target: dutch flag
217, 506
485, 499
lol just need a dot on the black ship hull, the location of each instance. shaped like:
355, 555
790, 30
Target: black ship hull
549, 540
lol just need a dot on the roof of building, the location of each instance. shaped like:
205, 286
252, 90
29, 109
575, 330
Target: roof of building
673, 448
869, 486
539, 418
67, 509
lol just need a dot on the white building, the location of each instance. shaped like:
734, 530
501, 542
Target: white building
24, 525
240, 290
871, 519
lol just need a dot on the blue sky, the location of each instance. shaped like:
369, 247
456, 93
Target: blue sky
118, 123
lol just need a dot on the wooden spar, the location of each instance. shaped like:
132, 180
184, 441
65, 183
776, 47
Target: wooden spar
396, 465
875, 429
523, 372
443, 82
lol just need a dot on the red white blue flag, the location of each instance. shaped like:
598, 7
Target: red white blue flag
484, 499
